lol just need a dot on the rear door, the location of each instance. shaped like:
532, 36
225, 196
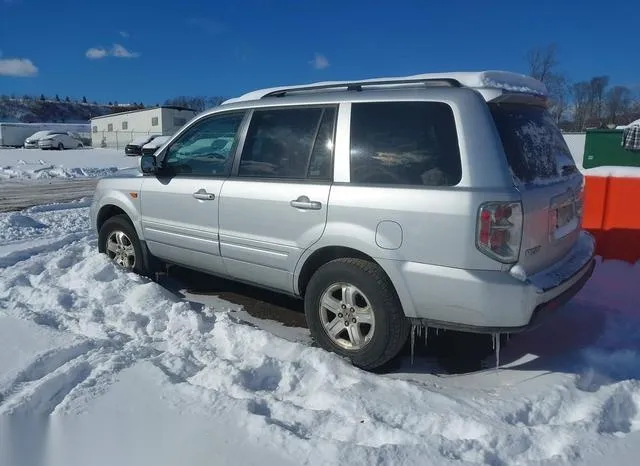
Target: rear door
276, 206
549, 182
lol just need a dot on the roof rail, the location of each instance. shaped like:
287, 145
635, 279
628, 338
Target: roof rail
358, 85
504, 81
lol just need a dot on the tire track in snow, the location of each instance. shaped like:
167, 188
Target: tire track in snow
48, 245
42, 396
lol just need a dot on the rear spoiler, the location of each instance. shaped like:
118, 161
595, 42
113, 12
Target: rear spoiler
498, 96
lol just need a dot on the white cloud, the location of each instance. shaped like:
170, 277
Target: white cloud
319, 62
117, 50
95, 53
124, 34
18, 67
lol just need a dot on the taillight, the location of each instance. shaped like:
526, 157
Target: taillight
500, 230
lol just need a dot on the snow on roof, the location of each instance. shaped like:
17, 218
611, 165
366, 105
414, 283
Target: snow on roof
157, 142
505, 80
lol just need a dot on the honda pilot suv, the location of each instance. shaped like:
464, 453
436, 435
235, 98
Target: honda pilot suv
443, 200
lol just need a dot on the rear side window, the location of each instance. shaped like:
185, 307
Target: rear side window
404, 143
294, 143
532, 142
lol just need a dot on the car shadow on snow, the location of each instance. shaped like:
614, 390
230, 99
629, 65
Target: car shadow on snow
554, 346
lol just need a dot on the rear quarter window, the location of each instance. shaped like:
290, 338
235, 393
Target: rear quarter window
533, 144
404, 143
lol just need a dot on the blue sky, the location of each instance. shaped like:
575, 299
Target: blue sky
152, 50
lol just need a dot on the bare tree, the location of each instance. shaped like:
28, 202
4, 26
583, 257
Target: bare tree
617, 103
542, 61
559, 95
581, 92
597, 85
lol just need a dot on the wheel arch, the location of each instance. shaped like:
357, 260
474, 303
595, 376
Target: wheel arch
118, 204
315, 259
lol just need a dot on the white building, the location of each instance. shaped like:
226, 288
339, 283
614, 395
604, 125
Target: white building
117, 129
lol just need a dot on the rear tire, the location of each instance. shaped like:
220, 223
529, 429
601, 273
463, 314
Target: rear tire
119, 241
367, 310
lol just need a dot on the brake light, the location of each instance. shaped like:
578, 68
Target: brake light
500, 230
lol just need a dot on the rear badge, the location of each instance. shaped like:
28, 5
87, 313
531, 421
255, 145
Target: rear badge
532, 251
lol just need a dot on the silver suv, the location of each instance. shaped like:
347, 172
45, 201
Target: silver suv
438, 200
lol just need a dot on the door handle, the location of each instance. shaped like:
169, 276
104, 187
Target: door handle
203, 195
303, 202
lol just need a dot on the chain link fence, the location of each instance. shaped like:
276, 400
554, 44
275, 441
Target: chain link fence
118, 139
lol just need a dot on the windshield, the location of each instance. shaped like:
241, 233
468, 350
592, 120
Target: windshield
39, 134
533, 143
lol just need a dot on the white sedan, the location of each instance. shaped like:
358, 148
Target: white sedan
59, 140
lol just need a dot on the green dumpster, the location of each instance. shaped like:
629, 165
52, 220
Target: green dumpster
603, 147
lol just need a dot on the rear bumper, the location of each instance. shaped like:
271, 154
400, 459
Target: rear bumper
484, 301
544, 310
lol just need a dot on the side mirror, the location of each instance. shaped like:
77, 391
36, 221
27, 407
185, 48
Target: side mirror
148, 164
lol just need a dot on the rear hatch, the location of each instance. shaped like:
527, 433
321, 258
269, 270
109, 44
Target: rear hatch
548, 179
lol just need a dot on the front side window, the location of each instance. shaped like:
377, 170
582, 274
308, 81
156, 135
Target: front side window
205, 149
294, 143
404, 143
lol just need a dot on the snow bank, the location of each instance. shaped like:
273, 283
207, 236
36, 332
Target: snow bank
137, 347
618, 172
39, 164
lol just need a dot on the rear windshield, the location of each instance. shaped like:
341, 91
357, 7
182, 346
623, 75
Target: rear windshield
533, 143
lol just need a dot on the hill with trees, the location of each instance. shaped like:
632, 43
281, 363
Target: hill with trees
30, 109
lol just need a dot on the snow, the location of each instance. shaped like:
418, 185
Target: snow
132, 373
39, 164
505, 80
156, 142
141, 140
618, 172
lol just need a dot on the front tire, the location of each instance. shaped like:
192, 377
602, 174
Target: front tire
60, 146
353, 310
119, 241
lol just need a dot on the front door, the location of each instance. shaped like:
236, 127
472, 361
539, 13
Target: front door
276, 207
179, 206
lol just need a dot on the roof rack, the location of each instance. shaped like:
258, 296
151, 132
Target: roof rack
482, 80
358, 85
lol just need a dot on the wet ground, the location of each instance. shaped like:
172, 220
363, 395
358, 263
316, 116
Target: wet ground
21, 194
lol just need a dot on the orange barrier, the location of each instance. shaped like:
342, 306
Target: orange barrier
612, 215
